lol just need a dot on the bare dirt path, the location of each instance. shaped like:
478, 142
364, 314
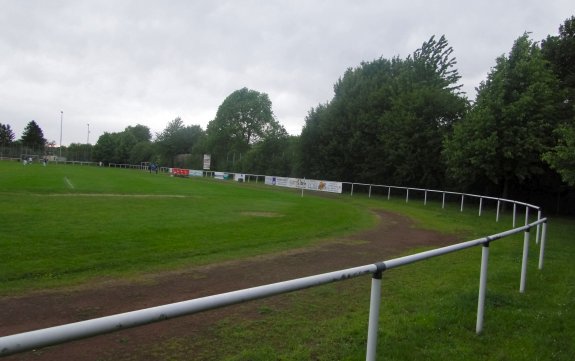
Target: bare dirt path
392, 235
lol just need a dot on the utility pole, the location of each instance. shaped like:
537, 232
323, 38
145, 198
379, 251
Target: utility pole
61, 118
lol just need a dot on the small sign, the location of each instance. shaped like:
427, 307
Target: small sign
207, 161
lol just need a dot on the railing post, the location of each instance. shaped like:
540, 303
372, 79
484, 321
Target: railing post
497, 214
373, 325
425, 199
482, 287
514, 213
526, 215
538, 227
524, 261
443, 202
388, 192
369, 196
407, 195
462, 196
542, 245
480, 205
351, 190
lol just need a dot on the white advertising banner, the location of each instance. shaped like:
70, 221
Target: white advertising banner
309, 184
196, 173
222, 175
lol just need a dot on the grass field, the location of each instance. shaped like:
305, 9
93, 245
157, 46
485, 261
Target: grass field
55, 232
428, 309
63, 225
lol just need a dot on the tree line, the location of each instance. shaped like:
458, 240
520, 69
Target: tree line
398, 121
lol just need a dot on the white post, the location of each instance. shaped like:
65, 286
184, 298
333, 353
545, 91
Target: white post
425, 199
462, 196
407, 195
526, 215
480, 205
514, 213
497, 215
524, 261
352, 189
388, 192
542, 246
369, 196
373, 325
482, 288
443, 202
538, 227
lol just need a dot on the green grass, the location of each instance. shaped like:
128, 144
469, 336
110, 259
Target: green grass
54, 235
428, 309
64, 225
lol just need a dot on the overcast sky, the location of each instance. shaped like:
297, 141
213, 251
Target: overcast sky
111, 64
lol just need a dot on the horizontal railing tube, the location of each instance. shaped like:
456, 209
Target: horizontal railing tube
74, 331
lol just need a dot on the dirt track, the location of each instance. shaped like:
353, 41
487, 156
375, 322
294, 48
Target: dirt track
392, 235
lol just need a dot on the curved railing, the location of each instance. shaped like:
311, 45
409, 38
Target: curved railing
55, 335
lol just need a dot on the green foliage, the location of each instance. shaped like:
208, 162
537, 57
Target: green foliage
243, 119
560, 52
6, 134
176, 139
33, 136
271, 156
130, 146
140, 132
509, 128
562, 157
142, 152
78, 152
387, 120
105, 148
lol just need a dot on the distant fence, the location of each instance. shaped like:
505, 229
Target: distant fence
55, 335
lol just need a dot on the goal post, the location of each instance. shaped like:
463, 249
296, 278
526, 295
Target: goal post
29, 158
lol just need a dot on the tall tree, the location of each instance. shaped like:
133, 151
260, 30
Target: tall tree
140, 132
387, 120
244, 118
142, 152
6, 134
177, 138
560, 52
105, 148
125, 142
510, 126
273, 156
33, 136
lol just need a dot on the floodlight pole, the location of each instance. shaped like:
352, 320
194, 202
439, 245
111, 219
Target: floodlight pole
61, 117
88, 140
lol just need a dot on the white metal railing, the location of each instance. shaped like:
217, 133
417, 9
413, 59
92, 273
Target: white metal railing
481, 198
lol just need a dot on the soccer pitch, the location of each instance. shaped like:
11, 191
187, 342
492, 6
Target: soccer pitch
64, 225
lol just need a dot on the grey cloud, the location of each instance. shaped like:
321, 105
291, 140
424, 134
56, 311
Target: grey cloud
116, 63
